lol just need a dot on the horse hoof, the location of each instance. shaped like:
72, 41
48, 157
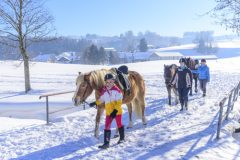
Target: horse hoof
115, 136
128, 127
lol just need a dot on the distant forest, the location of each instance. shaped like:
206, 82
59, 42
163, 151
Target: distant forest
128, 42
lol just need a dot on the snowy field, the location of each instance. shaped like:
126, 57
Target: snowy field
169, 134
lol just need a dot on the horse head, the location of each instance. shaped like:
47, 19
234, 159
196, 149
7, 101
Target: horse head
83, 88
190, 63
169, 71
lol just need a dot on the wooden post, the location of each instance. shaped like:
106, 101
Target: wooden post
229, 105
47, 111
219, 120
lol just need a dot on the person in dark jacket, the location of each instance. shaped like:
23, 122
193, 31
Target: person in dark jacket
204, 76
182, 78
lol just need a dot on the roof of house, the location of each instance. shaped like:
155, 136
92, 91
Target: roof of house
109, 49
44, 57
168, 54
205, 56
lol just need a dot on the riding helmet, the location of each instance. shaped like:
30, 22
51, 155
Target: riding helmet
182, 60
203, 60
108, 76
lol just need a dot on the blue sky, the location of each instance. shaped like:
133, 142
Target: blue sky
112, 17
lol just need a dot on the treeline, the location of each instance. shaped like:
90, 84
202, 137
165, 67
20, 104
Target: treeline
127, 42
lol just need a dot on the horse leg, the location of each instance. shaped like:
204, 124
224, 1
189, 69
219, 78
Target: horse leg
191, 89
176, 96
144, 121
169, 95
98, 117
196, 90
140, 108
130, 124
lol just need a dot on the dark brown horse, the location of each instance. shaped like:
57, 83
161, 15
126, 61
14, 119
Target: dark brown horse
193, 65
86, 83
169, 71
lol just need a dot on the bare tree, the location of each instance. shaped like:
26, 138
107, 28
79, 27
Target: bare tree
23, 22
227, 13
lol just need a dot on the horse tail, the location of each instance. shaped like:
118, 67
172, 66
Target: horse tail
139, 99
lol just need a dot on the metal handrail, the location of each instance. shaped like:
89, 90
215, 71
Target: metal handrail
47, 102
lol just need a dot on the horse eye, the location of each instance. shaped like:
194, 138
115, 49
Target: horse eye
83, 85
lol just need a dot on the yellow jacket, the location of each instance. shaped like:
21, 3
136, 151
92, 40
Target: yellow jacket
112, 99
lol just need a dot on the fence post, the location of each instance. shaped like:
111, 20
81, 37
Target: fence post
235, 96
220, 119
238, 90
229, 105
47, 110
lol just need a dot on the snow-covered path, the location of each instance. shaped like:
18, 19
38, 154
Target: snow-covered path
169, 134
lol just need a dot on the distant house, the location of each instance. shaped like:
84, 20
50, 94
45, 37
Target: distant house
208, 57
150, 46
128, 57
45, 58
64, 60
142, 56
67, 57
166, 56
125, 57
110, 50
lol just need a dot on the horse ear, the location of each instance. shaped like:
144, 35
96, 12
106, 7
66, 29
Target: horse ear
79, 73
86, 77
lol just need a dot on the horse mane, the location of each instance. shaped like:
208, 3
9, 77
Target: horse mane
169, 71
96, 77
190, 63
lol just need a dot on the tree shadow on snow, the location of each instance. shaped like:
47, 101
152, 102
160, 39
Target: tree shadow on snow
61, 151
160, 150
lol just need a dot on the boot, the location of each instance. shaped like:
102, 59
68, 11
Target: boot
107, 135
181, 107
186, 105
196, 90
237, 130
121, 133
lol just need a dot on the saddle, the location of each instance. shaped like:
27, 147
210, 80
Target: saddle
122, 78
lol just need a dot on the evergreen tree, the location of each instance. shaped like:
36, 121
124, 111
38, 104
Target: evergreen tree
143, 45
204, 41
102, 56
113, 58
91, 55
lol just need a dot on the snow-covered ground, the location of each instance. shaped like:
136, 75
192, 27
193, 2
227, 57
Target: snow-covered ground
169, 134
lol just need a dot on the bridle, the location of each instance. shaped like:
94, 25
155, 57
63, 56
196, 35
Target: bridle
84, 93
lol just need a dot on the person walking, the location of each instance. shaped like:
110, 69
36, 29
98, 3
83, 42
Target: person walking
204, 76
111, 95
182, 78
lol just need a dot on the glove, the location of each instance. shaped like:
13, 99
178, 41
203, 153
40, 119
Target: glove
92, 104
170, 85
113, 114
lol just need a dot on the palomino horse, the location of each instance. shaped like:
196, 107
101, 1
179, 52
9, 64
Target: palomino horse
193, 65
169, 71
94, 80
